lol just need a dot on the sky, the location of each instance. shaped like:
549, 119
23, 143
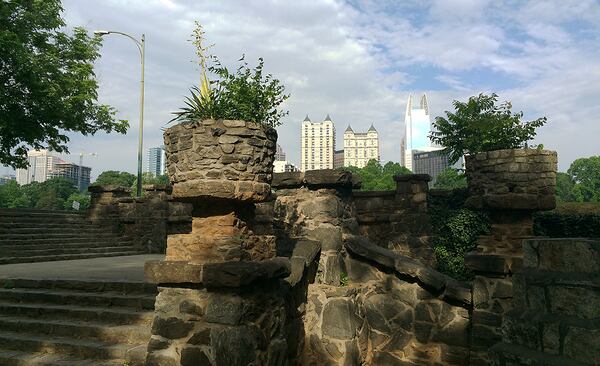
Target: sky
357, 61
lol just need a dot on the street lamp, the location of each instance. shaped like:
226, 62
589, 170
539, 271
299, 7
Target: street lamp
141, 47
81, 154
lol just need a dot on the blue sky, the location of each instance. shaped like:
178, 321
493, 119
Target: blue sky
357, 61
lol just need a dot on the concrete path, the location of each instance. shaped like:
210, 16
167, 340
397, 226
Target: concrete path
128, 268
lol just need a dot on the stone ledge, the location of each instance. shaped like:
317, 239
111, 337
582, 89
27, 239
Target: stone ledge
430, 279
314, 179
225, 274
412, 178
247, 191
493, 263
512, 354
98, 188
304, 254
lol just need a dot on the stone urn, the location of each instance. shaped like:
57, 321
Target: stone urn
220, 159
221, 167
512, 179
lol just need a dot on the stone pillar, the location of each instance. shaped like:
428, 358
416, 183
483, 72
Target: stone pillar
105, 201
220, 298
510, 185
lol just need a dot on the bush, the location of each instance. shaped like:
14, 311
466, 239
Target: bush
83, 199
455, 231
569, 220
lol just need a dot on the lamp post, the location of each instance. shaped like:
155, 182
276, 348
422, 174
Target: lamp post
81, 154
141, 47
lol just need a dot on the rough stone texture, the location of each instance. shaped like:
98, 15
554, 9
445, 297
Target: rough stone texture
145, 220
556, 314
220, 158
397, 220
512, 179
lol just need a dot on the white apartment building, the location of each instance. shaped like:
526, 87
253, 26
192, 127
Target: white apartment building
360, 147
317, 144
155, 161
41, 163
282, 166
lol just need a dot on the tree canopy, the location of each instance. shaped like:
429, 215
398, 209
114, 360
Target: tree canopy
480, 125
113, 177
376, 177
450, 179
53, 194
48, 87
585, 174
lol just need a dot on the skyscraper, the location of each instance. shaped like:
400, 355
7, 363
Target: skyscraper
155, 161
360, 147
279, 153
413, 116
41, 163
317, 144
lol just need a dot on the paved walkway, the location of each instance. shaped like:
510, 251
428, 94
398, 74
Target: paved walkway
128, 268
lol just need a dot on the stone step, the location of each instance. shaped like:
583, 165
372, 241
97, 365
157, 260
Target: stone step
81, 249
79, 348
18, 358
563, 254
113, 315
121, 287
514, 355
51, 230
124, 334
60, 241
65, 257
65, 244
19, 224
7, 212
66, 234
141, 301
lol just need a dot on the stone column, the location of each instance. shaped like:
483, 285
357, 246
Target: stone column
220, 299
510, 185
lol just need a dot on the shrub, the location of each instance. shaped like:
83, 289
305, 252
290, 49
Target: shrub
569, 220
455, 231
247, 94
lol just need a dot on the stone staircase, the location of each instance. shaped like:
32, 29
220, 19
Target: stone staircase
42, 235
68, 323
555, 320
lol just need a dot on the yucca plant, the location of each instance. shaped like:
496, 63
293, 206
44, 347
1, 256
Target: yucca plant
246, 94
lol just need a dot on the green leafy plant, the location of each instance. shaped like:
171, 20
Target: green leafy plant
344, 279
376, 177
480, 125
246, 94
450, 179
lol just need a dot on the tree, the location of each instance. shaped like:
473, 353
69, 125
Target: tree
565, 187
376, 177
450, 179
585, 172
148, 178
83, 199
113, 177
480, 125
47, 82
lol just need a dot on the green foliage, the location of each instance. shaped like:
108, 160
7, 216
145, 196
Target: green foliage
450, 179
564, 187
376, 177
456, 230
480, 125
47, 82
148, 178
113, 177
585, 173
50, 194
247, 94
84, 200
567, 225
344, 279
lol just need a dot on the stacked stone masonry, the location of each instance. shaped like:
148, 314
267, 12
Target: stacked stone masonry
555, 318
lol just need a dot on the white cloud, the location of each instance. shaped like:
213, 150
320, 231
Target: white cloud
354, 62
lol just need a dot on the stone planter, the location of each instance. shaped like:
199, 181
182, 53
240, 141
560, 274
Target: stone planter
220, 159
517, 179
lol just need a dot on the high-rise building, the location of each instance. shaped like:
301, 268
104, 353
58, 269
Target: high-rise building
412, 116
155, 161
40, 164
70, 171
317, 144
360, 147
279, 153
281, 166
432, 160
7, 178
338, 159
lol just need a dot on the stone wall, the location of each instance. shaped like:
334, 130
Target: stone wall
397, 220
368, 305
220, 158
512, 179
555, 318
145, 220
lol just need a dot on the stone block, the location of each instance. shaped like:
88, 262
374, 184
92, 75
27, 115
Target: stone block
236, 274
172, 272
340, 320
224, 309
171, 328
